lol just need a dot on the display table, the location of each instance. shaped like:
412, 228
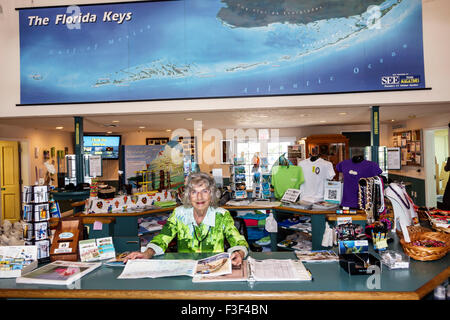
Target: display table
330, 282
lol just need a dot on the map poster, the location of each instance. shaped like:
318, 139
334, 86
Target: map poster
184, 49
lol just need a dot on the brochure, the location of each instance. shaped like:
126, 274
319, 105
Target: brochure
263, 270
59, 272
17, 260
96, 249
117, 261
317, 256
154, 268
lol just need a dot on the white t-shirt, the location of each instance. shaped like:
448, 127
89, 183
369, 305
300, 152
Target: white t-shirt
315, 173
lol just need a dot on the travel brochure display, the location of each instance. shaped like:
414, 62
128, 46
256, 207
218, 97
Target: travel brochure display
17, 260
59, 273
96, 249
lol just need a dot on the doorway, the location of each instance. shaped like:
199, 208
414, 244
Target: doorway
436, 145
10, 181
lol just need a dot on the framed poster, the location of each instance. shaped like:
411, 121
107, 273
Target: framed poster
156, 141
185, 49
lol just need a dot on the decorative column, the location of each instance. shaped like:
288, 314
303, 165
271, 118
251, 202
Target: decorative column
79, 149
375, 132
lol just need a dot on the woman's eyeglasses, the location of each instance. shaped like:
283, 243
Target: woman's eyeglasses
203, 192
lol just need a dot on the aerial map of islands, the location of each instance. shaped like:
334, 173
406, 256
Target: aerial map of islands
187, 49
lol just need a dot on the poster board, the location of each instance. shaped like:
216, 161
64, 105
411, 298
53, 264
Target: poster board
394, 158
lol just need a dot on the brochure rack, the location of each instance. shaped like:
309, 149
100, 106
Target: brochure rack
65, 241
36, 214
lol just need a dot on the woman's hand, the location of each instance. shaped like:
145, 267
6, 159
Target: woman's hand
237, 257
147, 254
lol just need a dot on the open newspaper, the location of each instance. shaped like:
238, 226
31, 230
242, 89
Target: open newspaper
216, 265
263, 270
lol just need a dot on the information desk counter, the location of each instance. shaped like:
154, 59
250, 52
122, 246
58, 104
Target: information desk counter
123, 226
330, 282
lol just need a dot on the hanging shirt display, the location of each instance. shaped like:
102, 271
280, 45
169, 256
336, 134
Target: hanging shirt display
286, 177
352, 172
316, 173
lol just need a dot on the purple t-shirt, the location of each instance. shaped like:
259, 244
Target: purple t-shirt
352, 172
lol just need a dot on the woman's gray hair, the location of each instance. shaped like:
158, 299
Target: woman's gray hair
198, 178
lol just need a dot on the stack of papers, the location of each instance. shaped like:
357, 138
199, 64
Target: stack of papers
317, 256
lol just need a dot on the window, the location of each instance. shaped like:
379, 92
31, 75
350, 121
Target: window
271, 150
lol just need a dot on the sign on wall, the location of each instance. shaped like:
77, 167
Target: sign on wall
218, 48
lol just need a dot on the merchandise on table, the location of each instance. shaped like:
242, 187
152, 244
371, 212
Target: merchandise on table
317, 256
395, 260
126, 203
353, 171
316, 172
286, 177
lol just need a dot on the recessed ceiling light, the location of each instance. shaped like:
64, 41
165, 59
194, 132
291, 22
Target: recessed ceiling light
342, 113
141, 127
322, 121
392, 120
168, 130
115, 121
188, 119
59, 128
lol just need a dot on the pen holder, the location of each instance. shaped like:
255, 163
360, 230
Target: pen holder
379, 241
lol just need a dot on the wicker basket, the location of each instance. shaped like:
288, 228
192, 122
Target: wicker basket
412, 230
426, 253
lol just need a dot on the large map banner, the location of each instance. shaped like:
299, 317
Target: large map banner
218, 48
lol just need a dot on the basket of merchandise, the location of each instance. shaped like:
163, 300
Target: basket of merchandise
412, 230
439, 220
426, 246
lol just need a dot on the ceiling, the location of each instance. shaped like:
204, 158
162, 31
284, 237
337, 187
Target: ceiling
262, 118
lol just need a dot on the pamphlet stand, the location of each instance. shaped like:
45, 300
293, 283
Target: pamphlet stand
65, 242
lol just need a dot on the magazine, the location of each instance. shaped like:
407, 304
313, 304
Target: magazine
263, 270
317, 256
96, 249
155, 268
59, 272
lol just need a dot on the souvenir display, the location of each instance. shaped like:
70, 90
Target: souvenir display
353, 170
371, 197
316, 172
404, 213
286, 176
36, 217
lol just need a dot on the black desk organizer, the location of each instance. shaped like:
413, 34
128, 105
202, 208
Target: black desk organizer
358, 263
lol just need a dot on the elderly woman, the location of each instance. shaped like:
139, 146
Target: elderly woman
200, 226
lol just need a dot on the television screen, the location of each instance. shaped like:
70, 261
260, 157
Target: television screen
105, 146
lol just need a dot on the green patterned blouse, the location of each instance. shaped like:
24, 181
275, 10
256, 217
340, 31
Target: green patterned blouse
209, 236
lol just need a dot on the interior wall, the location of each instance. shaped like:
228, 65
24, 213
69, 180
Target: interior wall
437, 64
435, 121
31, 138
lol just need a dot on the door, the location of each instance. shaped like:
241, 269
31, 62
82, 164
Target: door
10, 180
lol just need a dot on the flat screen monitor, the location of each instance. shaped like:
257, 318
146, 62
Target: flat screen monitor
105, 146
